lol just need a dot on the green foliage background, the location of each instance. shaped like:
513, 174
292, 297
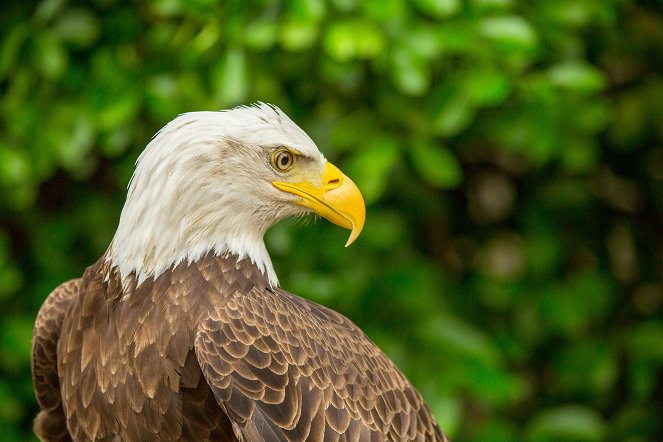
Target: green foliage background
509, 152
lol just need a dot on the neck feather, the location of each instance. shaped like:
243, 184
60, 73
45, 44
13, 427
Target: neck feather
153, 260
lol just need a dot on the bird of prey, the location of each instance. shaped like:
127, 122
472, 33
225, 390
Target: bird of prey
180, 331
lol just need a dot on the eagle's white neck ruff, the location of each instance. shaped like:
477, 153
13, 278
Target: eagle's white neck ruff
202, 185
129, 261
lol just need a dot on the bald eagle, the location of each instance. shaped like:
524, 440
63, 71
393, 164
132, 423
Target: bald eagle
181, 332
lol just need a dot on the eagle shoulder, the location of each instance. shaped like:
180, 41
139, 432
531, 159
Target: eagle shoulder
50, 423
285, 368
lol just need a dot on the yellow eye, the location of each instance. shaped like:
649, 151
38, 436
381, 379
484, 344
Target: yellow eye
283, 160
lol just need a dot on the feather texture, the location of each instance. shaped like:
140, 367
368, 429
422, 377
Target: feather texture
208, 351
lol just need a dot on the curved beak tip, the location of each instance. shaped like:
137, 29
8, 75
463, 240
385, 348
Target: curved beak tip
357, 225
353, 236
341, 203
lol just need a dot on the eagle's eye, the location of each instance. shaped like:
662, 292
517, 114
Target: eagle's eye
283, 159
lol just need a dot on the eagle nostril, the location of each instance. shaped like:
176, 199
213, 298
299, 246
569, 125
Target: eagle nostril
333, 184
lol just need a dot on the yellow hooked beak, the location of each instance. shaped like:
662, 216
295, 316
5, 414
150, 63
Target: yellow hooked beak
338, 199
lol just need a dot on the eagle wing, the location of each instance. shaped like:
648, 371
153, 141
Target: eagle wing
286, 369
50, 424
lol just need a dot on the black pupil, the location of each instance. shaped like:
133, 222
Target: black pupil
285, 160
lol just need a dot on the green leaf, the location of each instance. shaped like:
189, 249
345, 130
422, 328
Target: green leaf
584, 368
10, 48
385, 234
570, 307
439, 8
15, 343
493, 4
73, 149
464, 339
14, 166
511, 30
118, 110
231, 78
389, 11
410, 72
47, 9
298, 35
567, 422
454, 113
49, 56
436, 164
307, 10
207, 38
645, 341
486, 87
448, 412
78, 26
581, 155
577, 76
355, 39
260, 35
371, 166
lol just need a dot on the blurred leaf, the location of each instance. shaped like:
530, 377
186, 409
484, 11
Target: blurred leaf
497, 430
15, 343
457, 336
78, 26
510, 30
493, 4
261, 34
371, 166
580, 155
10, 406
208, 36
345, 41
11, 278
436, 164
645, 339
438, 8
231, 78
643, 376
410, 72
307, 10
573, 13
49, 55
636, 422
118, 110
385, 10
455, 113
385, 234
587, 368
423, 42
10, 48
48, 9
568, 422
486, 88
544, 252
496, 386
447, 411
77, 145
14, 166
161, 96
571, 306
577, 76
298, 35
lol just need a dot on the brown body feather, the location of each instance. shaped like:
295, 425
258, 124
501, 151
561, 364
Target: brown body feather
208, 351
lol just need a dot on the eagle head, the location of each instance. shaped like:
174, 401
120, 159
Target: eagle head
216, 181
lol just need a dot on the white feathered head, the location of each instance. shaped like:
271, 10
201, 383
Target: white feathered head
216, 181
